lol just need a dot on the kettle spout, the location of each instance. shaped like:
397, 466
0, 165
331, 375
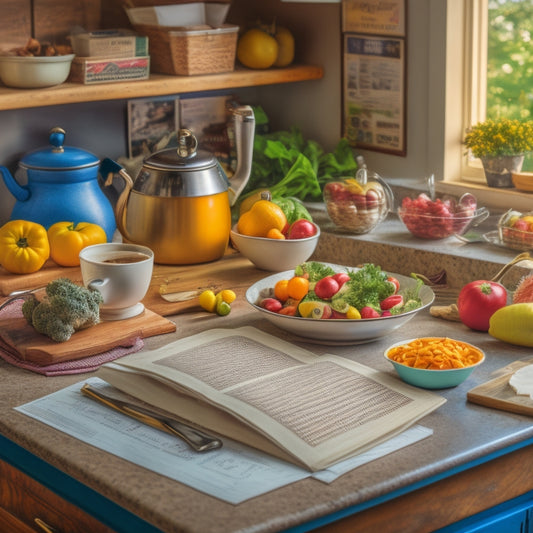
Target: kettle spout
244, 140
18, 191
108, 168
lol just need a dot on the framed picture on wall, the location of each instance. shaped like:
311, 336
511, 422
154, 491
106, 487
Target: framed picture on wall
152, 125
374, 92
378, 18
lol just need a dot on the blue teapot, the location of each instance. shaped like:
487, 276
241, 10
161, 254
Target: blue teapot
62, 185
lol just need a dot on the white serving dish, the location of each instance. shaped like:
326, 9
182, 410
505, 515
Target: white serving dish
31, 72
335, 331
275, 254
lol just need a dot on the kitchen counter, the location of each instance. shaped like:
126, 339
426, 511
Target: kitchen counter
476, 458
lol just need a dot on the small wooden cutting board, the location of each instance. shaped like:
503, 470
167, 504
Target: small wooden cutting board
498, 394
33, 347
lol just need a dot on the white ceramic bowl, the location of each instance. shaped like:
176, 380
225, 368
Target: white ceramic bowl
335, 331
432, 379
29, 72
275, 254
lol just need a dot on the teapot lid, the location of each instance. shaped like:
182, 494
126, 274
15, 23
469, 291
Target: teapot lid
183, 158
58, 157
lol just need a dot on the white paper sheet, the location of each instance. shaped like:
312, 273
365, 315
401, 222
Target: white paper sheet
234, 473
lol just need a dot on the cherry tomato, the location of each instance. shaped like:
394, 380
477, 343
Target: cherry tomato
395, 282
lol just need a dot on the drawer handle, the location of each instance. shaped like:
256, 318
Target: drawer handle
44, 526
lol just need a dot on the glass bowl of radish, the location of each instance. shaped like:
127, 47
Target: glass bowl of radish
440, 218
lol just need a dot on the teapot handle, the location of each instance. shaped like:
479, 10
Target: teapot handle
244, 139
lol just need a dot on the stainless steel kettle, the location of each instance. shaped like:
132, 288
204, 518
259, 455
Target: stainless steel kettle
180, 203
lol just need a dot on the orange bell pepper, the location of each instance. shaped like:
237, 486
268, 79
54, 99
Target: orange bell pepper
67, 240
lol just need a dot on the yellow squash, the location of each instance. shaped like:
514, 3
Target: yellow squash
24, 246
68, 239
513, 324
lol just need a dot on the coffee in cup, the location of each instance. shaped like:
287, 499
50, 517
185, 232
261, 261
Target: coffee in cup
122, 273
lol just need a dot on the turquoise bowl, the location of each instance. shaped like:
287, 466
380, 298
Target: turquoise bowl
432, 379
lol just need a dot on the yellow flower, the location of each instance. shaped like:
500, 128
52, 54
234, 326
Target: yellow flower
500, 137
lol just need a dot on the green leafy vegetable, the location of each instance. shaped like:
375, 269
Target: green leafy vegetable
293, 209
411, 298
368, 286
290, 166
314, 270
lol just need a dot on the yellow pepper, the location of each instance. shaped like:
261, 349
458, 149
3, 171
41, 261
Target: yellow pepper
68, 239
24, 246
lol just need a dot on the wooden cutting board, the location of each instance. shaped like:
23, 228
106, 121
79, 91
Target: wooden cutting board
498, 394
233, 271
31, 346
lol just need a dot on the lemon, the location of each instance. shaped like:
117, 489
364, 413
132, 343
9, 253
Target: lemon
316, 310
353, 313
285, 41
257, 49
208, 300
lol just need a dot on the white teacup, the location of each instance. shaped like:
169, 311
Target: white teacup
122, 273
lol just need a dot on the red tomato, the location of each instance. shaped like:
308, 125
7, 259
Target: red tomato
341, 278
477, 302
326, 287
395, 282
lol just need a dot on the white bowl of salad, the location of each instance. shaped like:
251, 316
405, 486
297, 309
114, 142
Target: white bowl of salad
342, 304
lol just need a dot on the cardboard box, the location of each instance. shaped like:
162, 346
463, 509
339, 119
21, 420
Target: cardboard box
88, 70
110, 43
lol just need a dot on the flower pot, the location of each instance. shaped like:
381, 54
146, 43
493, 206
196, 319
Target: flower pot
498, 169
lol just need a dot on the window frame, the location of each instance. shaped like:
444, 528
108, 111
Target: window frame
464, 100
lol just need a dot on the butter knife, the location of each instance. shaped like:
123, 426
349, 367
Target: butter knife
196, 439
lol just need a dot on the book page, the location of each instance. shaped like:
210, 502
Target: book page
316, 409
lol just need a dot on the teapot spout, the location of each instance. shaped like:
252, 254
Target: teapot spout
244, 139
18, 191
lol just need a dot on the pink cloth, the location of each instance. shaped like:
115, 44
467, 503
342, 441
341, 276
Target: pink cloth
79, 366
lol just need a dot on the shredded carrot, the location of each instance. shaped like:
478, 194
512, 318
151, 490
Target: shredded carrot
436, 353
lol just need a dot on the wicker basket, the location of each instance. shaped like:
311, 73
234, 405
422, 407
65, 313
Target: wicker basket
185, 52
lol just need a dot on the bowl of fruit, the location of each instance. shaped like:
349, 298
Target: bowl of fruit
332, 304
515, 230
358, 204
442, 217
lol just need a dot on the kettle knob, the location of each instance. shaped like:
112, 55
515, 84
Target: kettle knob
187, 143
57, 138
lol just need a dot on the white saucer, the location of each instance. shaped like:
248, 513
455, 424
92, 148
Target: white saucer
121, 314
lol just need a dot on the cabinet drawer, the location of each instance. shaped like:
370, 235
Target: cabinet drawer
25, 499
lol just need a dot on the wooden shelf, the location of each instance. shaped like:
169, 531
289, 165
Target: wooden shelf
157, 85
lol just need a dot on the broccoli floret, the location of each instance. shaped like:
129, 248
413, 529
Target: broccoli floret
367, 286
66, 308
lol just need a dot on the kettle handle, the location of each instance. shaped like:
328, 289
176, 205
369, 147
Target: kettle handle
244, 139
108, 168
18, 191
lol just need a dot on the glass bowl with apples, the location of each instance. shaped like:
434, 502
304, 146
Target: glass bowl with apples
439, 218
515, 230
358, 204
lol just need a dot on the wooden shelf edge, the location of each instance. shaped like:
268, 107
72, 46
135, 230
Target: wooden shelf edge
157, 85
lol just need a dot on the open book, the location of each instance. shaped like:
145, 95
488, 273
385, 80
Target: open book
272, 395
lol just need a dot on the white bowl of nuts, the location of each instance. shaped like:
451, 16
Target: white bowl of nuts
358, 204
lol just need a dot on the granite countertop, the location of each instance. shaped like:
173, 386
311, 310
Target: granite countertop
464, 433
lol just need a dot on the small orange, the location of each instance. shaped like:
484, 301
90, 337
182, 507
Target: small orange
298, 287
263, 216
281, 290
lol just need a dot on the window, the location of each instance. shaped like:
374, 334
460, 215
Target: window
467, 100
